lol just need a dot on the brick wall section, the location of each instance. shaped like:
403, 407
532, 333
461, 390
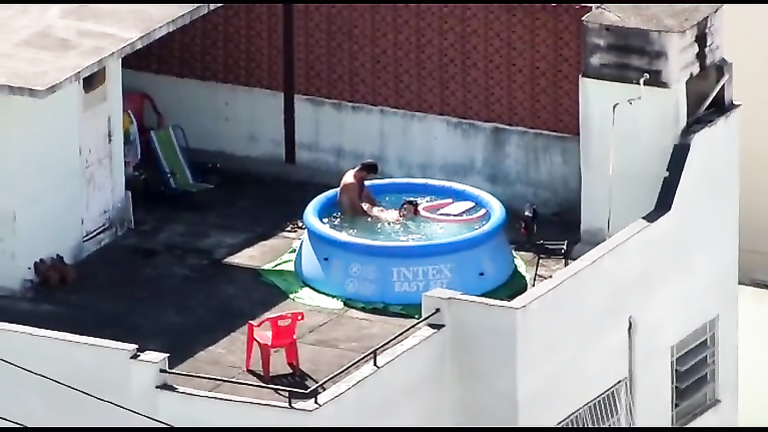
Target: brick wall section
517, 65
233, 44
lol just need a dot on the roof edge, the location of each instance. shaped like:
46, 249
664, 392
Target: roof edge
141, 41
612, 15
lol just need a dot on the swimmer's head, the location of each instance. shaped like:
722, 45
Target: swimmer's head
368, 169
409, 208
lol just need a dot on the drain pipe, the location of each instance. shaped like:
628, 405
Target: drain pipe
631, 365
289, 86
612, 150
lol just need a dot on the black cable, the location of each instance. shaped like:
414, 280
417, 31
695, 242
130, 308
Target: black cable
7, 420
114, 404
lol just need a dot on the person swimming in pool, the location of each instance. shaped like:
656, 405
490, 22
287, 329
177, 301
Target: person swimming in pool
408, 210
354, 198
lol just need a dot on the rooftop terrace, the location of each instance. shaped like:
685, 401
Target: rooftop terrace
163, 286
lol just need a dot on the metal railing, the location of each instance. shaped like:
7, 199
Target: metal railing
613, 408
372, 353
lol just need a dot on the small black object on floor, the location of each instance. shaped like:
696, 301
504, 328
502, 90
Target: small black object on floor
542, 249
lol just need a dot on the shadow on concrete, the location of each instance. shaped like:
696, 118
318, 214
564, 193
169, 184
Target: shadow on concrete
162, 285
299, 380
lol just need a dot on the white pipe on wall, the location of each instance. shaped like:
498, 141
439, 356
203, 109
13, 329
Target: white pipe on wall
611, 150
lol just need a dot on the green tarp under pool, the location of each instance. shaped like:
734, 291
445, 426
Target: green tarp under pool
281, 273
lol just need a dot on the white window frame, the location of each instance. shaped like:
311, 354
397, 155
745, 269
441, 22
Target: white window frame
613, 408
694, 373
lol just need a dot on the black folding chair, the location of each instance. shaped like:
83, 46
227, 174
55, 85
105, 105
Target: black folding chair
542, 249
549, 250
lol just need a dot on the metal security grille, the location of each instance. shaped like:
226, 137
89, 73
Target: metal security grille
613, 408
694, 373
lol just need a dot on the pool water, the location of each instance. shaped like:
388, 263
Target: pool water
416, 229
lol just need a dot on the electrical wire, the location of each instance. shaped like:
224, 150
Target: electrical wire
13, 422
83, 392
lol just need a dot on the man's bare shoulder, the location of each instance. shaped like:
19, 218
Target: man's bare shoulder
348, 177
348, 189
348, 186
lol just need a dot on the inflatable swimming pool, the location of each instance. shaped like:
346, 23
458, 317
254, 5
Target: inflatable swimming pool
399, 272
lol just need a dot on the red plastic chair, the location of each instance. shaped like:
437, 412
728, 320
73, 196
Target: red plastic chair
282, 334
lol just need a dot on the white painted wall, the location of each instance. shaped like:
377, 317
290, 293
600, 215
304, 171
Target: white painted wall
115, 100
753, 375
409, 389
482, 357
517, 165
745, 39
100, 367
671, 276
41, 185
642, 140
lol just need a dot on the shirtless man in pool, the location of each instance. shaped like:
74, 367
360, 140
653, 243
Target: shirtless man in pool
354, 198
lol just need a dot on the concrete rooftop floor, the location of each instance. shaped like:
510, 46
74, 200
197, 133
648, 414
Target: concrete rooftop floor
163, 287
43, 45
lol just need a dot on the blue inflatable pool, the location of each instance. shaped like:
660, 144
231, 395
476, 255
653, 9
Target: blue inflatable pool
399, 272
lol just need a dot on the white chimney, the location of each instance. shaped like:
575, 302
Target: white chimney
635, 99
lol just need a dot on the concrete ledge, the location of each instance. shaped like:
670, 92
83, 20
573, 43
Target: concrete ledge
366, 370
69, 337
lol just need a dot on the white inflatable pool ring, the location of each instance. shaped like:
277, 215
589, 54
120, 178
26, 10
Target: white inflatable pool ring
430, 211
